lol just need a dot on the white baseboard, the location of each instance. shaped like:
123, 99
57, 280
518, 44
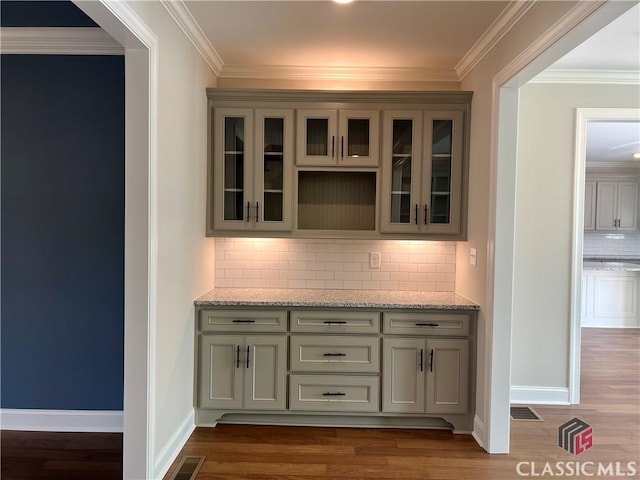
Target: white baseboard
61, 420
478, 431
540, 395
172, 448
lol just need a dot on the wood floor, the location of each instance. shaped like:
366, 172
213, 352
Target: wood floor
610, 403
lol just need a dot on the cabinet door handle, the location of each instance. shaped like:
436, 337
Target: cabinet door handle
334, 322
431, 360
426, 214
334, 354
427, 324
422, 360
333, 146
342, 146
248, 211
237, 356
248, 347
242, 321
334, 394
257, 212
416, 213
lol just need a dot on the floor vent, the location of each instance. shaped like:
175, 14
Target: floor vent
188, 468
525, 413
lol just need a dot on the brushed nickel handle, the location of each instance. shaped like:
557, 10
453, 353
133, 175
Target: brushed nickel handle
334, 354
334, 394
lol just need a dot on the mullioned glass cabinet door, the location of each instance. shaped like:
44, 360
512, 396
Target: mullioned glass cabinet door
233, 160
317, 132
273, 164
401, 162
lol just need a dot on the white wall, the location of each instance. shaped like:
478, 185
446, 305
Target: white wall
544, 216
185, 257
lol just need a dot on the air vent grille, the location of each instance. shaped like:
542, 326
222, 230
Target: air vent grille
188, 468
525, 413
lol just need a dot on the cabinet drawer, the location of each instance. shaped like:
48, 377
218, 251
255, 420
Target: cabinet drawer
243, 320
323, 353
431, 324
327, 321
334, 393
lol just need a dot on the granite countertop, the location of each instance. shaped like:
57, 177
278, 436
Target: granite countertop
375, 299
629, 264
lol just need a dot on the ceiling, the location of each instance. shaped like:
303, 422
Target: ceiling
612, 141
266, 37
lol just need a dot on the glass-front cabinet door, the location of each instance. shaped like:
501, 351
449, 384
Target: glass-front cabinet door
317, 132
358, 135
422, 172
273, 164
233, 160
338, 138
253, 158
442, 195
401, 162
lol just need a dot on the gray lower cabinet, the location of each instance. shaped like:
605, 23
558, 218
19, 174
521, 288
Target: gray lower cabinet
243, 371
345, 366
425, 375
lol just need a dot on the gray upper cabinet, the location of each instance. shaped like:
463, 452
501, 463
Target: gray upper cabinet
347, 138
338, 164
611, 203
422, 172
252, 162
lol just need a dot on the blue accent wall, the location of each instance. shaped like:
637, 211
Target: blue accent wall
62, 250
42, 14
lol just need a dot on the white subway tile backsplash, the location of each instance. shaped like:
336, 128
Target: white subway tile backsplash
611, 244
335, 264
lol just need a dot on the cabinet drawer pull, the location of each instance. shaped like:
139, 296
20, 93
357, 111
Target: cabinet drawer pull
422, 360
237, 356
334, 394
342, 146
333, 146
248, 355
431, 360
334, 322
426, 215
248, 211
243, 321
427, 324
334, 354
416, 213
257, 212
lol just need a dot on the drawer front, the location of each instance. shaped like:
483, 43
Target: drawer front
243, 320
428, 324
323, 353
329, 321
334, 393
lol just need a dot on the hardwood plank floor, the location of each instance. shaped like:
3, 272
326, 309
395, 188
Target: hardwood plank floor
610, 403
60, 456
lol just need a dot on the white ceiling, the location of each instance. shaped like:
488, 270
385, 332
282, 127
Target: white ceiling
615, 47
427, 36
612, 141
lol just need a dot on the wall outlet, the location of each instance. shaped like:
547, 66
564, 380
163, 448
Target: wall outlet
374, 260
473, 256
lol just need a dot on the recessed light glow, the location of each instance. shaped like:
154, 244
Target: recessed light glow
636, 155
343, 1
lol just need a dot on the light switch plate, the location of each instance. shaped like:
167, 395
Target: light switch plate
473, 256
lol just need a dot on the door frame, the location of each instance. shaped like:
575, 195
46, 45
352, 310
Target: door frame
583, 117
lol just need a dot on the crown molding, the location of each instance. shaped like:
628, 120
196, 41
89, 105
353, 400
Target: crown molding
612, 77
507, 19
58, 41
280, 72
181, 15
